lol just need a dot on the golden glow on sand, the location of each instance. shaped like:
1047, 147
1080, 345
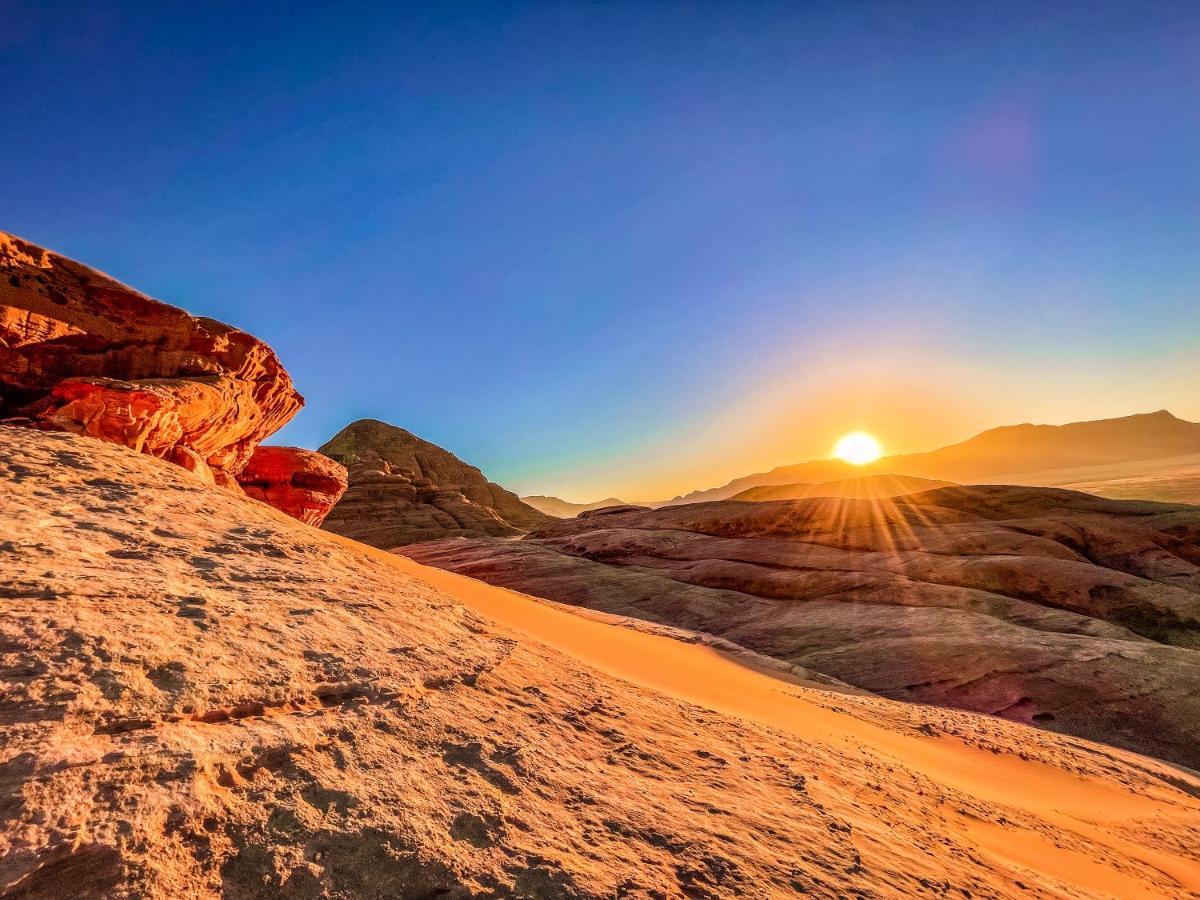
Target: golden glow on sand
858, 448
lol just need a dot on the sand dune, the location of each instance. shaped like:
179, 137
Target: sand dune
1044, 606
1067, 801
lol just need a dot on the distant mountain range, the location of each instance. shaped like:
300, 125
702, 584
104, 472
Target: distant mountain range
565, 509
868, 487
1015, 454
404, 489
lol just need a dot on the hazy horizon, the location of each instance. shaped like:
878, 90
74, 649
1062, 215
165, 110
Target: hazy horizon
635, 251
829, 456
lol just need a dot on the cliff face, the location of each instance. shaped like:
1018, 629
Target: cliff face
1045, 606
203, 698
404, 489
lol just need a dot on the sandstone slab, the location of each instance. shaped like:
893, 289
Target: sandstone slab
203, 698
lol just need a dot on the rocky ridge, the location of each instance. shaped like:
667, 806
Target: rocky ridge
868, 487
565, 509
403, 489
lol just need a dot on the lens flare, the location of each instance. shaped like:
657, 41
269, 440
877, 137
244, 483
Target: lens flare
858, 448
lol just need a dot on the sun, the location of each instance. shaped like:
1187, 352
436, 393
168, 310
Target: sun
858, 448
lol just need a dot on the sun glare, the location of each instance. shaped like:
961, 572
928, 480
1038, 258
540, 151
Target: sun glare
858, 448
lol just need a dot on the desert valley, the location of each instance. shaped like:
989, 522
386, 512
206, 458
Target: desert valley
245, 670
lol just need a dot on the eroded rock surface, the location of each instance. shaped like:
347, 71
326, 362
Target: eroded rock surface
302, 483
202, 698
83, 353
1045, 606
404, 489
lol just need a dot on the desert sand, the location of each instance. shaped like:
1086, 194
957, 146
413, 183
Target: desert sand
738, 687
1048, 607
1173, 480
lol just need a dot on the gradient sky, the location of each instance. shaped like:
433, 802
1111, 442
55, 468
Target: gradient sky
639, 248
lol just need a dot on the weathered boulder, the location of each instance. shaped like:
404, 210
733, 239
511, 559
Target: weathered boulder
303, 483
404, 489
83, 353
1045, 606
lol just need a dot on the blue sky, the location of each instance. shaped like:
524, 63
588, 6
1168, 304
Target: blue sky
638, 248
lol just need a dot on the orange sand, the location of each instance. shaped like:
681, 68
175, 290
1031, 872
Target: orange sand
1068, 802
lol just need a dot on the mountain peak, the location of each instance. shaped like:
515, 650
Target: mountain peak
404, 488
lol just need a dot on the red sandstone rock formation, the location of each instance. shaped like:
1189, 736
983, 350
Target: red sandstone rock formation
302, 483
80, 352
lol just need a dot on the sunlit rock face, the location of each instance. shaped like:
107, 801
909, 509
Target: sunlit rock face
1048, 607
302, 483
82, 353
404, 489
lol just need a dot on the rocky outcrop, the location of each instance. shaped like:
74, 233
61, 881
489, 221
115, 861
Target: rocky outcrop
202, 699
404, 489
302, 483
82, 353
1049, 607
